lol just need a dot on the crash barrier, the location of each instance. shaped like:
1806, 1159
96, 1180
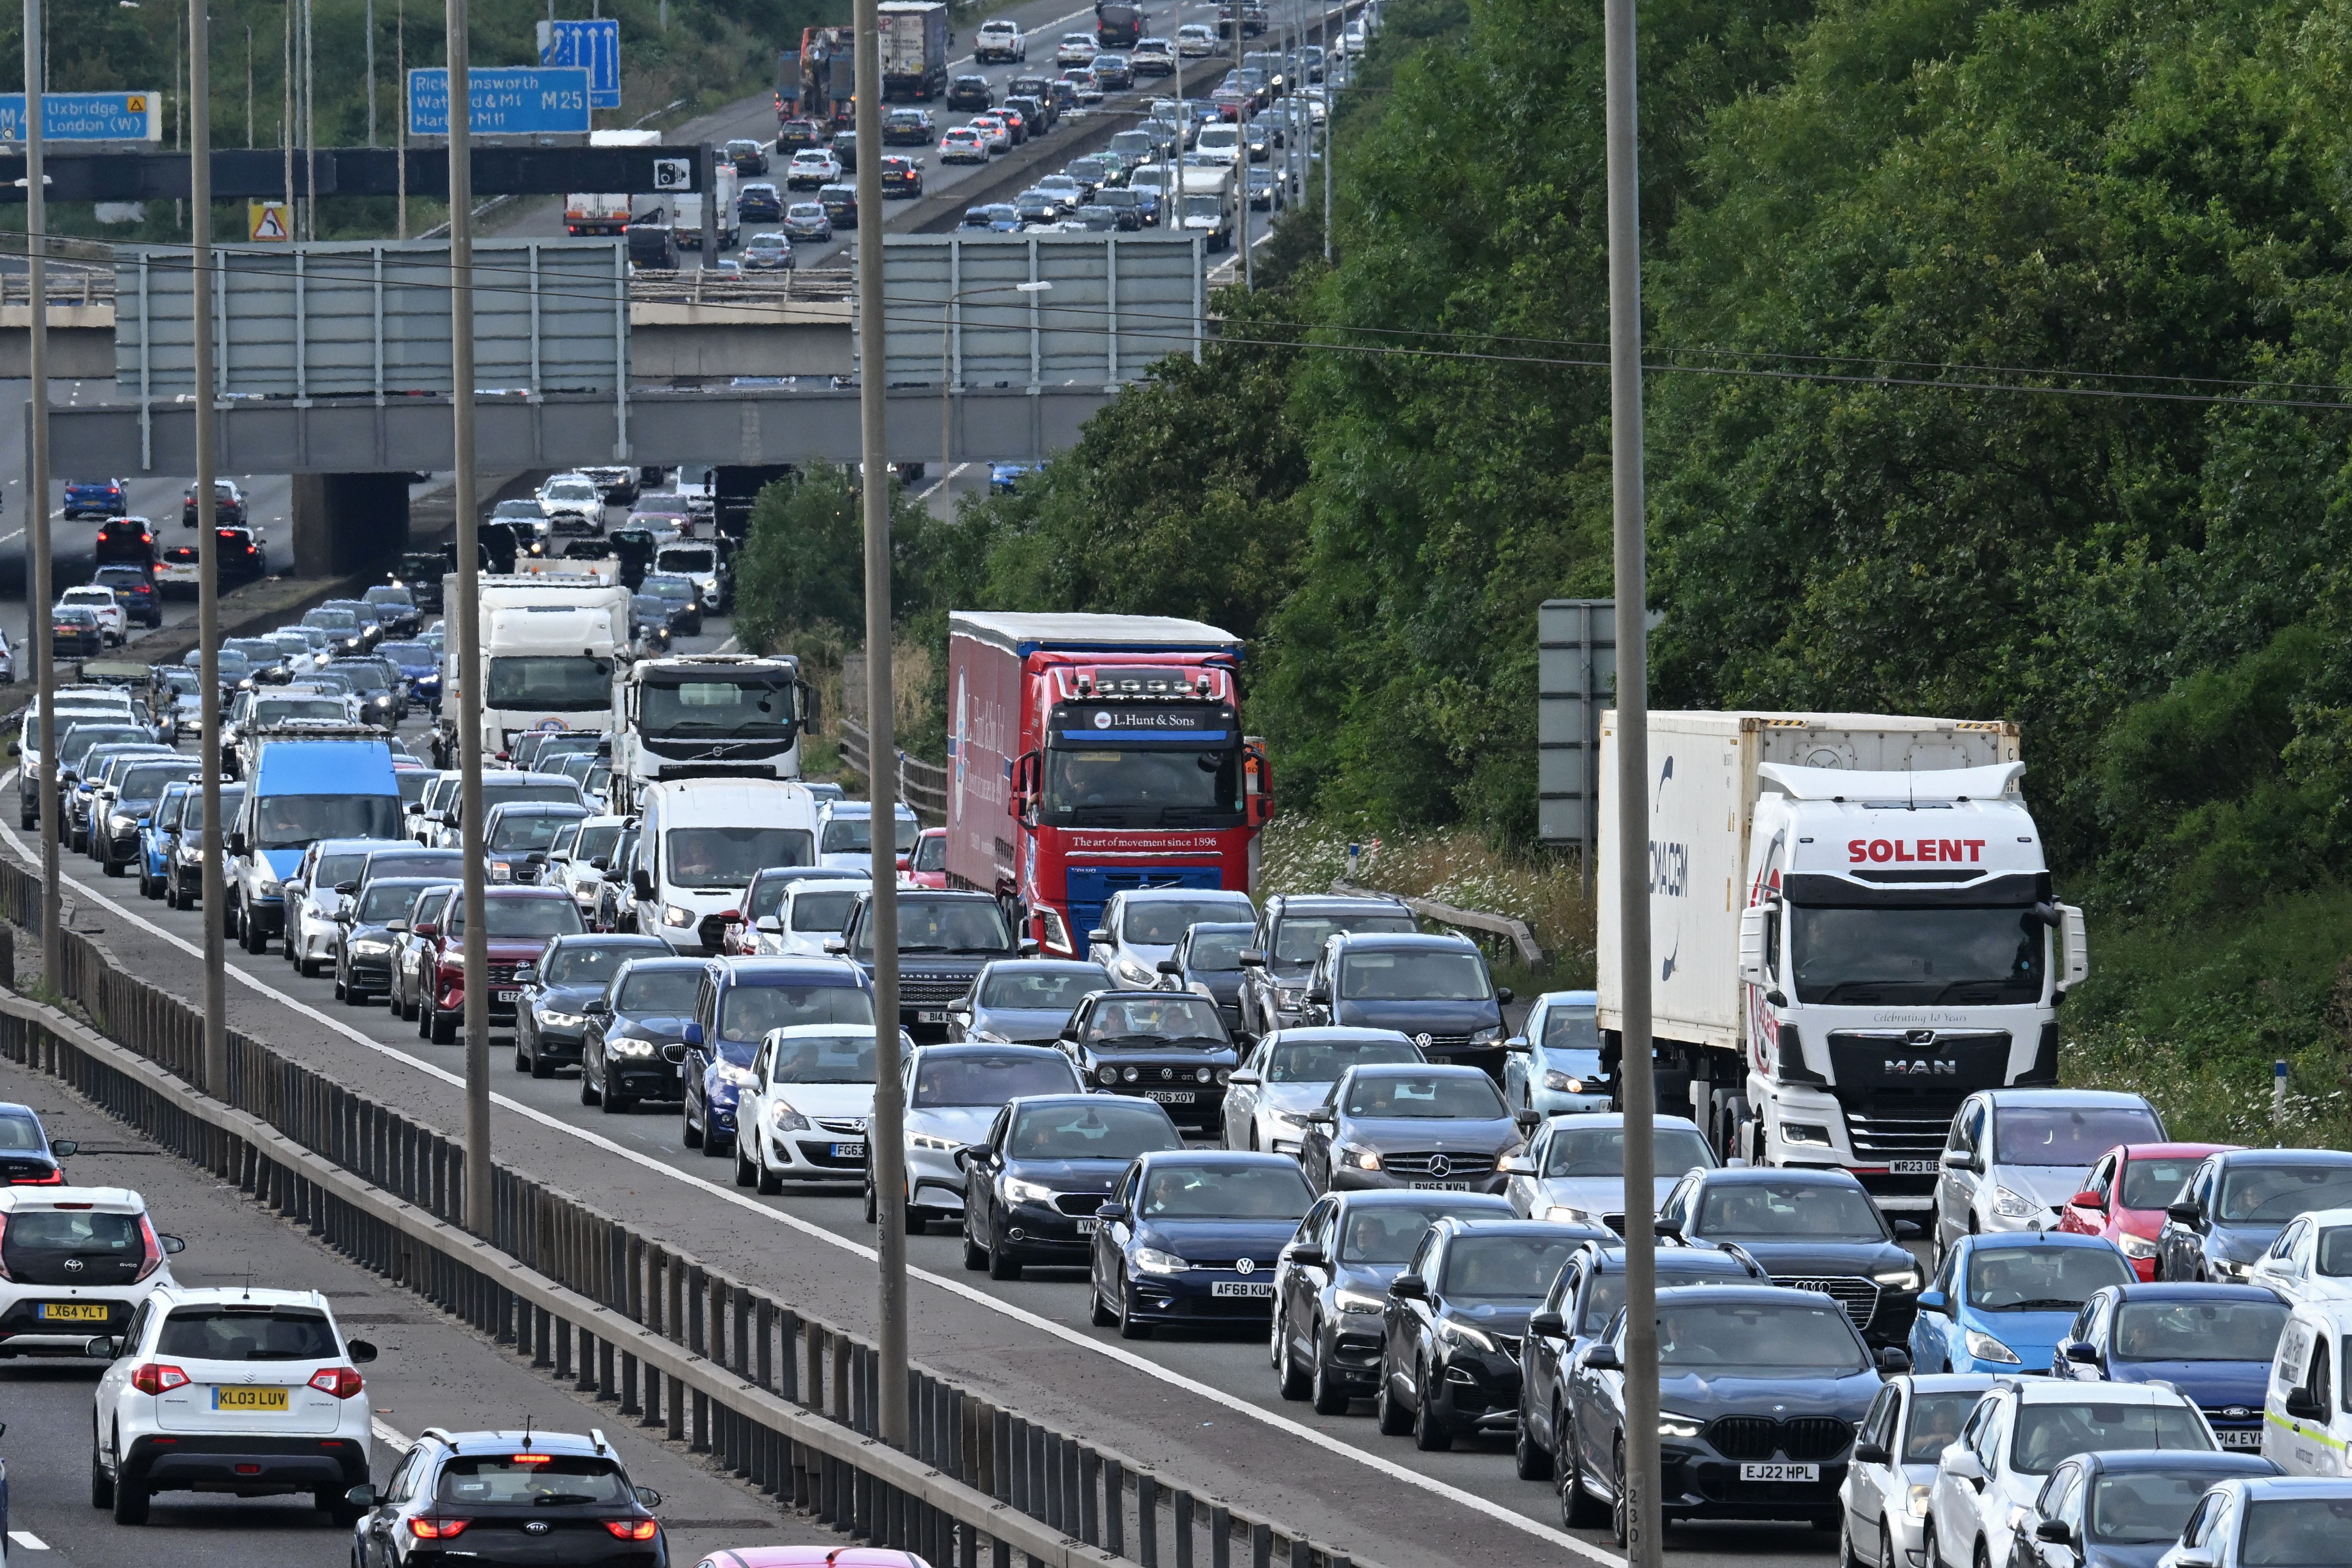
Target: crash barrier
922, 785
1500, 928
786, 1402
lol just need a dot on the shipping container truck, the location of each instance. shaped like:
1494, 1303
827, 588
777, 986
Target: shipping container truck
914, 35
606, 212
1852, 928
818, 80
1087, 755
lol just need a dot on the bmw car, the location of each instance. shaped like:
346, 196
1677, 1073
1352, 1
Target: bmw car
1034, 1182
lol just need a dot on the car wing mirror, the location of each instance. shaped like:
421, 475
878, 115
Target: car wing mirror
1547, 1323
1318, 994
1409, 1288
102, 1347
2056, 1532
1245, 1078
837, 945
2191, 1215
1934, 1302
2085, 1201
1893, 1359
1028, 947
1871, 1453
1604, 1358
1527, 1118
2304, 1405
173, 1244
1250, 958
360, 1496
692, 1034
1113, 1210
65, 1148
649, 1497
1306, 1254
1515, 1166
1518, 1043
361, 1351
428, 929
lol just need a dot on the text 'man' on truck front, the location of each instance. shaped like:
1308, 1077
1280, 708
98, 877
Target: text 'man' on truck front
1852, 928
1087, 755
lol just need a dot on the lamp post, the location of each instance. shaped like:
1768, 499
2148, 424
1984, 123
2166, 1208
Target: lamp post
947, 386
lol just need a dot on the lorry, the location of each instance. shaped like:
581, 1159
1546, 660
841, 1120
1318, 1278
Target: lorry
1088, 755
687, 208
914, 35
605, 212
1209, 207
1852, 928
817, 81
550, 643
700, 716
1119, 27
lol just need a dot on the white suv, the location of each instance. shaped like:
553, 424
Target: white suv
1000, 39
74, 1262
236, 1390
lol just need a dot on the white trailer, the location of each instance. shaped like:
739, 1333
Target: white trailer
606, 212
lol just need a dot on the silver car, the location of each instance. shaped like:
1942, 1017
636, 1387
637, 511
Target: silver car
1884, 1497
2015, 1155
951, 1094
1574, 1170
1140, 928
1290, 1072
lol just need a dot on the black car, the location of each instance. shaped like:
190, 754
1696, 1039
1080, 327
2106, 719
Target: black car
845, 150
74, 632
528, 1497
229, 505
634, 1037
1290, 936
373, 924
1166, 1046
2236, 1204
902, 178
760, 202
1435, 988
2120, 1509
1208, 962
1759, 1391
137, 788
907, 127
130, 539
971, 93
396, 608
747, 156
1034, 109
574, 973
1023, 1001
383, 699
1817, 1230
1032, 1186
134, 590
840, 202
683, 597
945, 939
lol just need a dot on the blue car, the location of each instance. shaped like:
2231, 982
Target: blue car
156, 836
29, 1157
1553, 1065
1192, 1237
96, 497
2213, 1342
420, 670
2002, 1303
1004, 478
740, 1000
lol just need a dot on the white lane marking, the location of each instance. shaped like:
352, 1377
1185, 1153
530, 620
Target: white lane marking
28, 1540
951, 473
391, 1436
955, 1287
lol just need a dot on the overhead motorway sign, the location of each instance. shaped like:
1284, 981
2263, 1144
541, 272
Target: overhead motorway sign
508, 101
86, 117
595, 46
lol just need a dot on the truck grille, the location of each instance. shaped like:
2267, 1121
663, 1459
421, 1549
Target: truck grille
1442, 1165
1892, 1130
1858, 1296
918, 988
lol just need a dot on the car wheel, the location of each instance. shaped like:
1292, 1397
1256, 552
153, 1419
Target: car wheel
1394, 1419
1002, 1264
423, 1017
745, 1177
615, 1103
1131, 1327
687, 1132
1101, 1316
1528, 1461
342, 994
1431, 1433
539, 1066
1295, 1381
1983, 1558
101, 1485
1620, 1509
1927, 1540
112, 866
130, 1500
1579, 1509
1885, 1546
770, 1183
870, 1209
441, 1031
589, 1093
912, 1218
975, 1256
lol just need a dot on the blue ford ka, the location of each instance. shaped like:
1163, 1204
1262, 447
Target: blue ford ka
2002, 1303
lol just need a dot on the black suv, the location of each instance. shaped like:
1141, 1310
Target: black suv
229, 505
945, 939
518, 1497
1289, 939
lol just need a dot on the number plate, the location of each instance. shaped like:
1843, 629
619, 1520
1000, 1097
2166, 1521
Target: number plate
505, 996
931, 1016
1170, 1096
1088, 1227
1250, 1288
1440, 1186
73, 1312
849, 1150
244, 1396
2248, 1439
1779, 1471
1911, 1167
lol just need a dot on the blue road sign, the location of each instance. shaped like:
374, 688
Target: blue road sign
86, 117
595, 46
508, 101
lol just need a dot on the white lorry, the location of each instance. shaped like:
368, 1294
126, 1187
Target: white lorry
549, 645
914, 35
605, 212
1852, 928
706, 715
687, 219
1209, 205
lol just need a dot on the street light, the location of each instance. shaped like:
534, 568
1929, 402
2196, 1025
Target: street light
947, 319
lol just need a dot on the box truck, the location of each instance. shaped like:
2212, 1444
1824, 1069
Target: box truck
914, 35
550, 643
605, 212
1852, 928
1087, 755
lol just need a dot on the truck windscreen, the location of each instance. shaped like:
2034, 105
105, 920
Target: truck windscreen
715, 710
1917, 956
285, 821
562, 683
1142, 786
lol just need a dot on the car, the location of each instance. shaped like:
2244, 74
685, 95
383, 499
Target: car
29, 1157
184, 881
76, 632
579, 857
1157, 1046
1022, 1001
1000, 39
901, 177
1153, 57
769, 251
75, 1262
997, 217
798, 131
759, 202
242, 556
397, 606
113, 624
572, 973
840, 202
2237, 1202
1574, 1170
1552, 1065
517, 834
1206, 962
993, 129
1137, 209
518, 921
758, 928
927, 867
1037, 209
945, 939
1094, 172
1814, 1227
1435, 988
1004, 478
1139, 927
2241, 1523
155, 837
317, 891
96, 497
802, 220
1265, 191
740, 1001
907, 126
971, 92
1196, 40
575, 1486
802, 1112
178, 572
2126, 1196
747, 156
1034, 1181
844, 148
2121, 1510
134, 790
1075, 49
811, 168
1291, 1072
2213, 1342
1032, 97
1016, 124
1113, 71
634, 1040
963, 145
2312, 1258
365, 952
949, 1095
1082, 85
1914, 1419
2015, 1156
1432, 1127
419, 668
1180, 1237
1291, 931
807, 913
2020, 1431
124, 539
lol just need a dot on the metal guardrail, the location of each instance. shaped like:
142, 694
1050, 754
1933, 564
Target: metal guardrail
782, 1400
1515, 932
922, 785
68, 284
703, 286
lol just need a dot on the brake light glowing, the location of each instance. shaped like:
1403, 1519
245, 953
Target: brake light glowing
632, 1529
156, 1377
342, 1382
54, 1179
436, 1529
530, 1458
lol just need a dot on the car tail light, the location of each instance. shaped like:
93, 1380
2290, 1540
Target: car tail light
156, 1376
152, 1250
436, 1529
632, 1529
342, 1382
54, 1179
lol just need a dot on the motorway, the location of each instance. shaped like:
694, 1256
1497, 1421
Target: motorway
431, 1372
1200, 1407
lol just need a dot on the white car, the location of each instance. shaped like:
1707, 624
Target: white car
1885, 1498
1141, 927
1000, 39
809, 912
572, 859
813, 167
315, 901
2248, 1521
2016, 1156
2312, 1258
2018, 1434
803, 1115
573, 493
1574, 1170
231, 1389
1219, 143
845, 834
1196, 40
1290, 1072
112, 624
77, 1262
951, 1094
1077, 49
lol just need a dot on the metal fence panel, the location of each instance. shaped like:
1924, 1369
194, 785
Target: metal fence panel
1576, 677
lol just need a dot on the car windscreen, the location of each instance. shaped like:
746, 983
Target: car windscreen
284, 821
2245, 1330
1505, 1268
588, 962
192, 818
1414, 978
954, 924
686, 561
2154, 1183
529, 830
1041, 990
416, 863
1298, 939
2037, 1135
1215, 951
146, 781
726, 858
247, 1333
387, 900
2294, 1532
1607, 1291
84, 1231
279, 710
851, 834
514, 920
1936, 1422
2273, 1195
596, 842
333, 870
1322, 1061
1387, 1233
407, 653
1417, 1096
825, 910
2049, 1432
751, 1011
73, 748
1573, 1033
931, 853
1224, 1192
546, 1480
1755, 1338
1156, 1016
1788, 1211
1600, 1152
659, 990
412, 782
1107, 1130
1160, 922
501, 793
19, 1134
824, 1058
943, 1081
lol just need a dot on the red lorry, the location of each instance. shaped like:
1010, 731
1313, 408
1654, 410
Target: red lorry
1088, 755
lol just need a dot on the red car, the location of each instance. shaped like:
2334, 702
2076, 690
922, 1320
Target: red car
929, 867
521, 921
2124, 1198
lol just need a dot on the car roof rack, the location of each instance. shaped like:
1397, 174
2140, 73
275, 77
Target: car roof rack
440, 1435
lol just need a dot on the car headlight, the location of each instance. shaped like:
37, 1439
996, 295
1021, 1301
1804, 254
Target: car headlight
1805, 1133
673, 915
122, 822
1151, 1260
547, 1016
2009, 1205
1898, 1278
1132, 973
1487, 1036
2230, 1269
1130, 1075
1917, 1501
1284, 996
270, 888
1559, 1082
502, 871
1984, 1347
1362, 1302
784, 1119
1674, 1424
932, 1141
1561, 1214
2136, 1247
1021, 1191
1463, 1334
370, 947
1359, 1158
735, 1077
629, 1047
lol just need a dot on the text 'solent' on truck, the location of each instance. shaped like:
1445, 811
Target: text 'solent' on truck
1851, 928
1092, 753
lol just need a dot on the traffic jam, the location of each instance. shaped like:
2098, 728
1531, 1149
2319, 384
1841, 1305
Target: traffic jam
2017, 1323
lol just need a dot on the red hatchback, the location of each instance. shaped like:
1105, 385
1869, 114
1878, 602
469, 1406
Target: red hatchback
521, 919
2124, 1198
929, 866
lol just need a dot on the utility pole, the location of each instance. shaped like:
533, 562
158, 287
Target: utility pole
40, 590
309, 121
887, 1140
1636, 1077
400, 135
371, 70
469, 620
208, 751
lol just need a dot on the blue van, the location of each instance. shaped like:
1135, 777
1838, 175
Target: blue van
307, 782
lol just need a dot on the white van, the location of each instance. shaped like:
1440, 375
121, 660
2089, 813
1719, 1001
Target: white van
698, 843
2307, 1408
